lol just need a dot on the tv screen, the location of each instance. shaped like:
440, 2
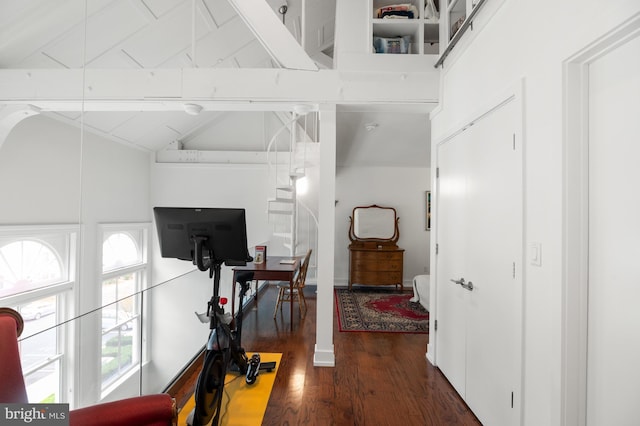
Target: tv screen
225, 231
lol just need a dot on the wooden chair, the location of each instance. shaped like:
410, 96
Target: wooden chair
285, 294
148, 410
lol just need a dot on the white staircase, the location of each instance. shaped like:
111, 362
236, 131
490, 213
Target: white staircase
283, 206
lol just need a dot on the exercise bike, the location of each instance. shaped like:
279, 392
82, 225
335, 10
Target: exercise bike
224, 350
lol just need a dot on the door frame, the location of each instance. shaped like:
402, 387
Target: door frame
512, 93
575, 220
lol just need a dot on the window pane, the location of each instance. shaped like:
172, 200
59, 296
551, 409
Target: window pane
119, 288
27, 265
38, 354
120, 332
119, 250
34, 312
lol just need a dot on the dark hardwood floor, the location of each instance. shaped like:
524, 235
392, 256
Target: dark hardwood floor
379, 378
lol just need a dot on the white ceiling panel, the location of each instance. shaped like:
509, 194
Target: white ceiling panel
219, 45
34, 25
181, 60
157, 138
253, 55
105, 30
164, 39
159, 7
70, 115
40, 60
141, 124
320, 25
221, 11
115, 58
183, 123
107, 121
13, 10
240, 131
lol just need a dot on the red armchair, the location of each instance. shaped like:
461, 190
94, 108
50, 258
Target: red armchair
149, 410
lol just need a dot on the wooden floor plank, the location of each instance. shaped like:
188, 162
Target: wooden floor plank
379, 378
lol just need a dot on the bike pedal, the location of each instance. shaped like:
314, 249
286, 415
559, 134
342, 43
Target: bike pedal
268, 366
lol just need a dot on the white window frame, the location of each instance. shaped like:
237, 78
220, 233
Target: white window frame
64, 292
142, 270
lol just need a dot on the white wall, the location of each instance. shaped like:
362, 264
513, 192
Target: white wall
186, 289
400, 187
210, 185
40, 173
244, 131
530, 41
52, 174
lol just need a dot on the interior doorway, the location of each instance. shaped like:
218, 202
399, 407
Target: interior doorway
479, 263
601, 379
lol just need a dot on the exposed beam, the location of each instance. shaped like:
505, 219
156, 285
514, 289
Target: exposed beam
215, 89
274, 36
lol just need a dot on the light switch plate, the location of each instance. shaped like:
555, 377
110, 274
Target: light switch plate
535, 254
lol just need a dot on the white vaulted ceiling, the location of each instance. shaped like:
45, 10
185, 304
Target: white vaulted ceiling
157, 34
126, 34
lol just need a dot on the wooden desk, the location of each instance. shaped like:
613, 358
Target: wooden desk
270, 270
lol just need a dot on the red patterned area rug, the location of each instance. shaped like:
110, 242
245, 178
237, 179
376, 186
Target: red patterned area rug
380, 311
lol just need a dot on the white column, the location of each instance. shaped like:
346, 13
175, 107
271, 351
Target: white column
324, 355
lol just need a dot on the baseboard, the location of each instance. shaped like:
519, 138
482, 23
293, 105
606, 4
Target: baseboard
325, 358
429, 355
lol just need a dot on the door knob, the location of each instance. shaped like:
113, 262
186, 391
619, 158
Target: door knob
463, 283
468, 286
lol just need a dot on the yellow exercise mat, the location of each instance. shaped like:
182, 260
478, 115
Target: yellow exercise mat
242, 404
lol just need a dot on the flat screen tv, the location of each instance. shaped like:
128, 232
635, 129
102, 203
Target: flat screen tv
221, 231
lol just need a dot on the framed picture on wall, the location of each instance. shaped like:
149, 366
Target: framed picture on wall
427, 200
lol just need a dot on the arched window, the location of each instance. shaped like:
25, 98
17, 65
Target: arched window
28, 265
37, 280
123, 277
120, 250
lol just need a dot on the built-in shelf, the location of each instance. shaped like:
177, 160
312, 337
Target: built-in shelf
398, 33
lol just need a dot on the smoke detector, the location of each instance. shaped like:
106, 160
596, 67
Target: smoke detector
192, 109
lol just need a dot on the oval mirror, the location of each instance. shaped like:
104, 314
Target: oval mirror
374, 223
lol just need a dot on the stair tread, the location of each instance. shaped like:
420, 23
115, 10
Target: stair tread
287, 212
281, 200
282, 234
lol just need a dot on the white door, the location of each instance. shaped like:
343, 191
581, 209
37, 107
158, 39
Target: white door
452, 222
480, 240
613, 348
494, 204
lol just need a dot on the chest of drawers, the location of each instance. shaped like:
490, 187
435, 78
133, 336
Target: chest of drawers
375, 265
